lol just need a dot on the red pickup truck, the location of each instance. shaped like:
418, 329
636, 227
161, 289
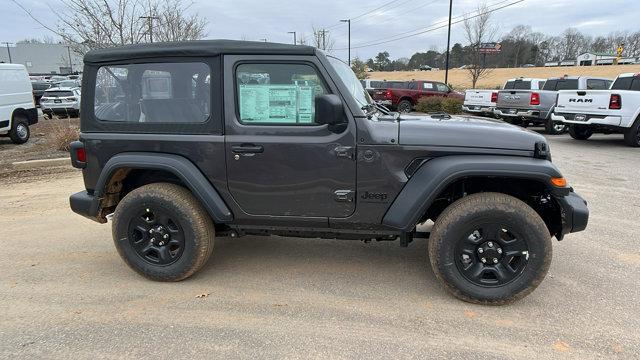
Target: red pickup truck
403, 96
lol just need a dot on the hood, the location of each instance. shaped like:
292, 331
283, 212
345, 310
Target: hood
465, 131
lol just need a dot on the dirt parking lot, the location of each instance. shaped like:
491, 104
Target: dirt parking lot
65, 293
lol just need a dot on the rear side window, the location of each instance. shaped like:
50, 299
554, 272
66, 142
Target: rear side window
595, 84
282, 94
522, 85
561, 84
153, 93
626, 83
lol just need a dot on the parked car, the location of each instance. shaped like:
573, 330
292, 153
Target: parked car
534, 107
613, 111
209, 163
61, 101
426, 68
405, 97
73, 83
483, 102
38, 90
17, 108
370, 85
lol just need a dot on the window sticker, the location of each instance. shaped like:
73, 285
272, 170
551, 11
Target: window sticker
428, 86
276, 103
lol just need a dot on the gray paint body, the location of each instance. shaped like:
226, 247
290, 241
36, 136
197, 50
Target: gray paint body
292, 182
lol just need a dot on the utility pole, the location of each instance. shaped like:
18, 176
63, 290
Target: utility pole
150, 19
446, 65
294, 36
8, 50
323, 42
348, 21
70, 64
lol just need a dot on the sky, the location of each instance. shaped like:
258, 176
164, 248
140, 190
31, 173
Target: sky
373, 21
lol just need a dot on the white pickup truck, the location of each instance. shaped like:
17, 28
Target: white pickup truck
613, 111
483, 102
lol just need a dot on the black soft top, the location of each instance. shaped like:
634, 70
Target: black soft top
196, 48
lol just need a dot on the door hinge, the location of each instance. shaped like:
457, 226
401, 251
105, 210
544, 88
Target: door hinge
344, 195
345, 152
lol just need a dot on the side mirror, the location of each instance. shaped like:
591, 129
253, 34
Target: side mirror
329, 110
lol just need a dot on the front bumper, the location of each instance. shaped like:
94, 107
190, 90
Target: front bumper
574, 213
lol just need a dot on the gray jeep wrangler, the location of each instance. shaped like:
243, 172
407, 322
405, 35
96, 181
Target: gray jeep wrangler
181, 142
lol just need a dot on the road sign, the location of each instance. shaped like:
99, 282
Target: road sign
490, 48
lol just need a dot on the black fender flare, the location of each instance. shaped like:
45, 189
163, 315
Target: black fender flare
438, 173
179, 166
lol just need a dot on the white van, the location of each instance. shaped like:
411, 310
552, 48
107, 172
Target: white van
17, 110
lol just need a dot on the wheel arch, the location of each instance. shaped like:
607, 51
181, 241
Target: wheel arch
440, 181
127, 171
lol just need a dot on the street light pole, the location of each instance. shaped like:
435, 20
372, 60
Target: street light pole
8, 50
294, 36
348, 21
446, 66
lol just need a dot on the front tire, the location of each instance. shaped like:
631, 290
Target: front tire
162, 232
490, 248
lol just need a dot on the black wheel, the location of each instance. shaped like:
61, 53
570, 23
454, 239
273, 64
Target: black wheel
554, 128
580, 132
632, 136
19, 132
162, 232
490, 248
404, 106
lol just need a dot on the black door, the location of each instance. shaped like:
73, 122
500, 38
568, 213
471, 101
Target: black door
279, 160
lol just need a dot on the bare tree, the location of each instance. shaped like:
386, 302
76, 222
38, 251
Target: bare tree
520, 35
322, 39
572, 43
478, 29
94, 24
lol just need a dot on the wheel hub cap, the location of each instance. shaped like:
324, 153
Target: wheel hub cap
22, 131
490, 252
156, 237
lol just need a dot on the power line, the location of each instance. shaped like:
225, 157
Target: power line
367, 43
365, 13
387, 17
431, 27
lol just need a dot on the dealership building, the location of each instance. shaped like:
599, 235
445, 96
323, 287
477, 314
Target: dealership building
41, 58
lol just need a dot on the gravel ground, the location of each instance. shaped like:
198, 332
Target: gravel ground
65, 293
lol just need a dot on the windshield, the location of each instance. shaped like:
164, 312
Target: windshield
351, 81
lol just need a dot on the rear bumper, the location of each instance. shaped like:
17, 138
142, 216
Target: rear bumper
478, 109
574, 213
595, 120
521, 113
85, 204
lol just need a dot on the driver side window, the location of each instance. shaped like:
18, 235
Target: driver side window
277, 94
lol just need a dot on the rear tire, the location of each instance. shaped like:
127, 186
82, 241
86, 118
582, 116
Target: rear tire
405, 106
553, 128
632, 135
162, 232
580, 132
515, 243
19, 132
